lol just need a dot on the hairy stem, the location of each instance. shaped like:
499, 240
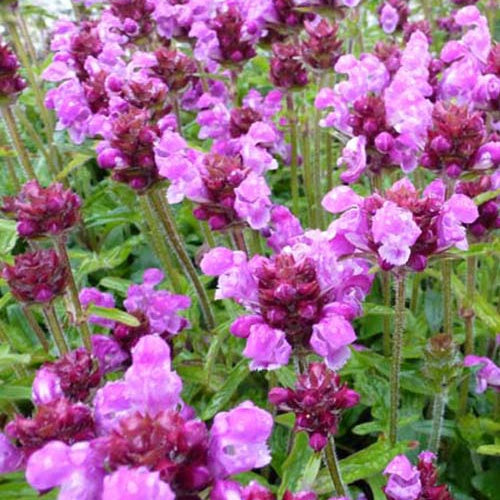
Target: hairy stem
447, 297
386, 293
294, 185
159, 243
80, 319
55, 329
397, 341
468, 316
17, 142
438, 407
40, 334
332, 463
163, 212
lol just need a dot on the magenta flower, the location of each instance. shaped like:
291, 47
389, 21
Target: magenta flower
393, 15
238, 440
287, 70
488, 374
36, 276
11, 82
301, 298
407, 482
43, 211
11, 457
77, 469
322, 49
135, 484
401, 228
227, 490
317, 401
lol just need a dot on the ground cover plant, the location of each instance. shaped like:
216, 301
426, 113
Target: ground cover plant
249, 250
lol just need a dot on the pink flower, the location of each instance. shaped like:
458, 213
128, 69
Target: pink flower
488, 374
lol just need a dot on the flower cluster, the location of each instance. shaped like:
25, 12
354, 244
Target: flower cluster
317, 402
136, 432
43, 211
402, 227
156, 310
407, 482
38, 276
11, 82
300, 298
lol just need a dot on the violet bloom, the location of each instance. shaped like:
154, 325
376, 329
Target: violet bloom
94, 296
407, 482
287, 70
156, 310
43, 211
393, 15
174, 19
77, 469
226, 189
400, 228
488, 374
322, 49
36, 276
238, 440
301, 297
230, 490
11, 82
149, 385
317, 402
136, 484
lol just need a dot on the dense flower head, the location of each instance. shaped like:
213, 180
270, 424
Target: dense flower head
408, 482
11, 82
389, 53
43, 211
174, 68
129, 152
36, 276
317, 401
222, 182
322, 49
455, 139
157, 311
74, 376
488, 374
300, 298
401, 228
286, 14
58, 420
135, 16
422, 26
287, 69
489, 211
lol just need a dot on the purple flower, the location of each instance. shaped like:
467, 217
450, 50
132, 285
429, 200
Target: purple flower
389, 18
149, 385
266, 347
283, 228
231, 490
238, 440
43, 211
354, 156
11, 457
11, 82
488, 374
77, 469
404, 480
317, 401
135, 484
94, 296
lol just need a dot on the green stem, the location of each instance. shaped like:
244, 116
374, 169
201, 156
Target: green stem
163, 212
80, 318
397, 341
55, 329
158, 242
36, 328
415, 289
239, 239
294, 185
308, 175
386, 293
447, 297
255, 243
332, 463
438, 407
468, 316
30, 130
317, 168
329, 161
177, 112
27, 38
13, 175
17, 142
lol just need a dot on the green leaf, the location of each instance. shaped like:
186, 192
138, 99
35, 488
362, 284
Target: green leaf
117, 284
15, 392
8, 358
293, 467
225, 393
361, 465
78, 160
113, 314
484, 197
433, 308
8, 235
489, 449
286, 419
370, 309
487, 484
